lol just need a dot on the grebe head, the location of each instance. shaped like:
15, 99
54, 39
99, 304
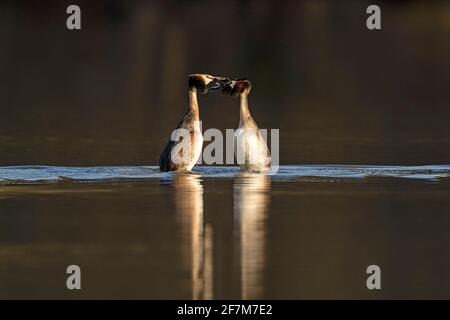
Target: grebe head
241, 86
200, 82
236, 87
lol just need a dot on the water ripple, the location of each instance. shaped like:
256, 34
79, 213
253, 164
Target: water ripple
17, 174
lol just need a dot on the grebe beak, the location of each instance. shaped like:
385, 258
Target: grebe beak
219, 83
215, 88
225, 87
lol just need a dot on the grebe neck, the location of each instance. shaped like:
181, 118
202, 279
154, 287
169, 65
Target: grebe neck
193, 103
244, 111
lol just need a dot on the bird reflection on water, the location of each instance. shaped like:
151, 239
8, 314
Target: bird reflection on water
251, 201
197, 251
250, 209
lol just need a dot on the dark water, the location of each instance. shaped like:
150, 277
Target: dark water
304, 232
111, 93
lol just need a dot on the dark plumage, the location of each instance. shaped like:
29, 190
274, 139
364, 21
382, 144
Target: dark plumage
165, 161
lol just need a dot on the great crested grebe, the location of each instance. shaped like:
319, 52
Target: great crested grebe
251, 149
179, 154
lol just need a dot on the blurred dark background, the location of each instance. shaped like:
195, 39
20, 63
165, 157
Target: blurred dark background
111, 93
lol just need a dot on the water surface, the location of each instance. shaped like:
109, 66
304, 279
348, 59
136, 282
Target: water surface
18, 174
304, 232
